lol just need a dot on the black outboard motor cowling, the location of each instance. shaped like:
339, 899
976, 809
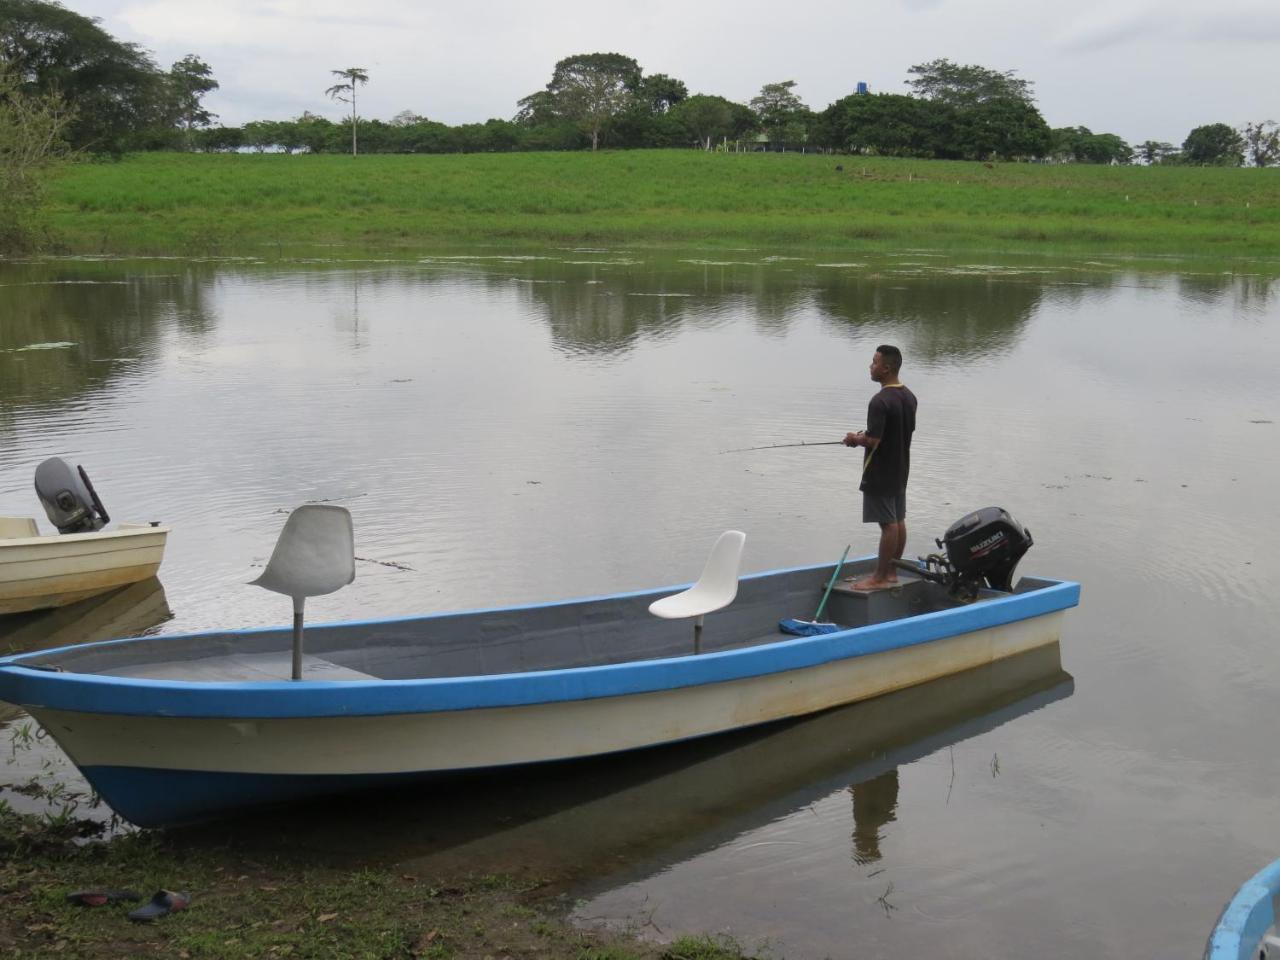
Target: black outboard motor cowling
981, 547
986, 544
69, 498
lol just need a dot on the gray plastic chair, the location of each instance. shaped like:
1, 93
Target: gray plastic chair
314, 555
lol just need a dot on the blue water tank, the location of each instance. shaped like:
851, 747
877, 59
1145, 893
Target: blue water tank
862, 86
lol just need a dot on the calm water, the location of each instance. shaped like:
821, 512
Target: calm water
507, 429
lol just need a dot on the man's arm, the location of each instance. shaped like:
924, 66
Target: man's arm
869, 438
861, 439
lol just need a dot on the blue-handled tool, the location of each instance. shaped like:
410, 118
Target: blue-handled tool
814, 627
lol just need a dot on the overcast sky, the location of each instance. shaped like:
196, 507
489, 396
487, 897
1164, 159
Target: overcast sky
1138, 68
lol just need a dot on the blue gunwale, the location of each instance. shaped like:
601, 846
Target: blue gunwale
1248, 916
123, 696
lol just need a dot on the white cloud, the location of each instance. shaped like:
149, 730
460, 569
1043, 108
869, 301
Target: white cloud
1111, 29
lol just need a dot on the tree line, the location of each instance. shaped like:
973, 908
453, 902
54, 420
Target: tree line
116, 99
954, 112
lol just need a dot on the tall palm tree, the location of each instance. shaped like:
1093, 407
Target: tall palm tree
339, 91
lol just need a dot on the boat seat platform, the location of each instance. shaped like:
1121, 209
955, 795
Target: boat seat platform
856, 608
241, 668
906, 581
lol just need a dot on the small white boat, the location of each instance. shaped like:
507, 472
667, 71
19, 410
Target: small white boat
1249, 928
176, 728
83, 559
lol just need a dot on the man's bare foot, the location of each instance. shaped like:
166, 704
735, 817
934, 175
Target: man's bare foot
875, 583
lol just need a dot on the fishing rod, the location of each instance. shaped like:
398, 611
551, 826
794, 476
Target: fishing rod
866, 463
778, 446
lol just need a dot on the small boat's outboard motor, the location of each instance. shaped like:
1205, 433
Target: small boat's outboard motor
69, 498
985, 545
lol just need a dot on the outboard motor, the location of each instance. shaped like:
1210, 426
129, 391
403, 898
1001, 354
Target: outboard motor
69, 498
985, 545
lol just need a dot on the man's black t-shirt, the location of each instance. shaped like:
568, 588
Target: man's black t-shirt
891, 417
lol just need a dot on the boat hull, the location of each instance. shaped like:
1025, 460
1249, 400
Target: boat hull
177, 728
161, 770
38, 573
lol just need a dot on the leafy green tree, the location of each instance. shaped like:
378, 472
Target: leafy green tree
1262, 141
537, 110
637, 126
424, 136
590, 89
704, 118
887, 124
219, 139
114, 89
31, 145
554, 136
744, 120
543, 127
1213, 145
499, 136
1002, 129
1082, 145
189, 80
1063, 140
778, 109
660, 93
796, 130
1152, 152
1106, 148
346, 92
597, 98
314, 133
377, 136
262, 135
965, 85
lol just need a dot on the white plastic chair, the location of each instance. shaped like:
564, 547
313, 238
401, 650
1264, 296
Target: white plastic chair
314, 555
715, 589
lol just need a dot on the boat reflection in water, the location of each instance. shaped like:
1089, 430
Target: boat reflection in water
587, 821
132, 611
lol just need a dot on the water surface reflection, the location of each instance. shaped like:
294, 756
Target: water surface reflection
509, 429
583, 822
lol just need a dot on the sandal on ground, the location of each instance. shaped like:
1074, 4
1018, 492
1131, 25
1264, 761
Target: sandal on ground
164, 902
96, 898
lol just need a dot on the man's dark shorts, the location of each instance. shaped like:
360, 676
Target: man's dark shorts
891, 508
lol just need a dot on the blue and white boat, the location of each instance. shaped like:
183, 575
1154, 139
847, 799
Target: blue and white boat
1249, 928
177, 728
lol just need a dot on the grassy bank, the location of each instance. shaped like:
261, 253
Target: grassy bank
251, 908
166, 203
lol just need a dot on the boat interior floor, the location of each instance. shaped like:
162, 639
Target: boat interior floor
269, 666
588, 633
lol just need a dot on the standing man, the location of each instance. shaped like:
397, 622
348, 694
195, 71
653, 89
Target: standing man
891, 420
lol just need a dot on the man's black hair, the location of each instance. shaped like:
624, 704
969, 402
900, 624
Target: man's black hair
892, 356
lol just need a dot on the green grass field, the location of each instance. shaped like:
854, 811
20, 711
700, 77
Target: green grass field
238, 204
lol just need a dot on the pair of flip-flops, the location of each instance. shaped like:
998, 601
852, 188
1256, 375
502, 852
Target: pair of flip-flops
161, 904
